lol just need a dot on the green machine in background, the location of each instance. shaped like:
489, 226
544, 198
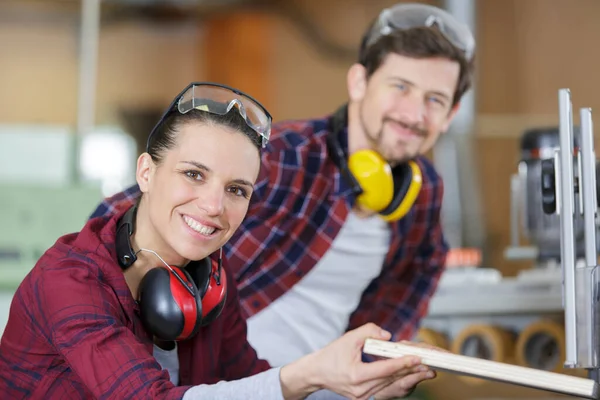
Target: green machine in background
50, 183
32, 218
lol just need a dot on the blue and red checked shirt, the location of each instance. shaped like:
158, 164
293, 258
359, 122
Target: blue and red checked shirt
299, 204
74, 331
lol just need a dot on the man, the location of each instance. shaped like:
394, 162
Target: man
322, 250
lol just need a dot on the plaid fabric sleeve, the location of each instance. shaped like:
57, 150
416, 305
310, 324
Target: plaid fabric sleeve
126, 198
81, 318
399, 298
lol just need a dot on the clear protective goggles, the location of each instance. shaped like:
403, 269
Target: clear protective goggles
412, 15
220, 99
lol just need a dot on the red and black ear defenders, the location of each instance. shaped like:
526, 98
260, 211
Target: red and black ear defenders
174, 302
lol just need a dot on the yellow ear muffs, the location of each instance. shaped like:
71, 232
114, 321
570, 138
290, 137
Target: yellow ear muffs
390, 193
408, 181
374, 176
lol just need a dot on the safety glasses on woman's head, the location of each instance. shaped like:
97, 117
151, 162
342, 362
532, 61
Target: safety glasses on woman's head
412, 15
220, 99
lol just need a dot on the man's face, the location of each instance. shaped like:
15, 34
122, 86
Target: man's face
406, 104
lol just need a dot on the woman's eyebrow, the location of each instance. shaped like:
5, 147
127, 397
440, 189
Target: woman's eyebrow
243, 182
197, 165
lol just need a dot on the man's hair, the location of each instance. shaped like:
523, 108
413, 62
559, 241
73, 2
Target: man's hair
419, 42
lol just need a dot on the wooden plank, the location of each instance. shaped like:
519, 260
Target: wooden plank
486, 369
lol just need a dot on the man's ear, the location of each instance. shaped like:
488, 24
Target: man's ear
450, 117
356, 79
145, 171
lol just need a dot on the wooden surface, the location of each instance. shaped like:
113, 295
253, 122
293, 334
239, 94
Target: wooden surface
486, 369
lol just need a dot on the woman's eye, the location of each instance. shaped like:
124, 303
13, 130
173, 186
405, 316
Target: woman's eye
238, 191
193, 175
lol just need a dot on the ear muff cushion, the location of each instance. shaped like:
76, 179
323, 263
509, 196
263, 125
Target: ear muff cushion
408, 181
199, 273
374, 176
402, 180
215, 312
159, 311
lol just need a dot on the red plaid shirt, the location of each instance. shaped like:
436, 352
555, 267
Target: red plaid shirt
74, 331
298, 207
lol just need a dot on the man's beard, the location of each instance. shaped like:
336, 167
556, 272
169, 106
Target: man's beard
375, 139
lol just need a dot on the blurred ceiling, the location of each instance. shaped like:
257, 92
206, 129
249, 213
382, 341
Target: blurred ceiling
174, 12
158, 10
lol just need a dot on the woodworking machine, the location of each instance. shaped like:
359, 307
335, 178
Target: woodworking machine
569, 190
545, 317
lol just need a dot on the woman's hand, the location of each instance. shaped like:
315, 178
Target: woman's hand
339, 367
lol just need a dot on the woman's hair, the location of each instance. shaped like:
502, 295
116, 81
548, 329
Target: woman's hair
164, 136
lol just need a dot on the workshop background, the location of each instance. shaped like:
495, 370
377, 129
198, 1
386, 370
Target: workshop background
76, 104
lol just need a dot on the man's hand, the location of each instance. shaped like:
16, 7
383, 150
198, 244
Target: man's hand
403, 386
406, 384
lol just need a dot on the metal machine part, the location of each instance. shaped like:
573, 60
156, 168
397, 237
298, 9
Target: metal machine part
540, 228
533, 200
542, 352
577, 196
541, 345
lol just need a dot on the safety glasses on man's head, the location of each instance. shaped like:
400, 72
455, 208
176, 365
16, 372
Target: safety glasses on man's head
407, 16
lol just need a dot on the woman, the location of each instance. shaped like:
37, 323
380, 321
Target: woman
138, 305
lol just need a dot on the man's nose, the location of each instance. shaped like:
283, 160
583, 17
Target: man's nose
413, 109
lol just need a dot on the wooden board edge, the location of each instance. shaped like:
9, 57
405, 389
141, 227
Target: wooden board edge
489, 370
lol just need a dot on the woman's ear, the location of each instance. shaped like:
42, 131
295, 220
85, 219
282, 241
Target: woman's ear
145, 171
356, 79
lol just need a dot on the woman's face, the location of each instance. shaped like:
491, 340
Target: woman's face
199, 195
